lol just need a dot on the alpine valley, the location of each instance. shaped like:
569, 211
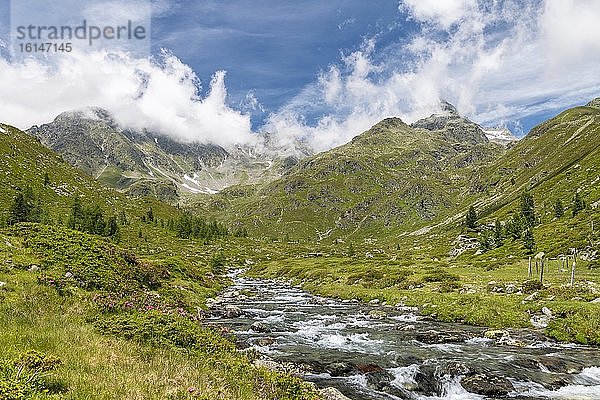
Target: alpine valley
136, 266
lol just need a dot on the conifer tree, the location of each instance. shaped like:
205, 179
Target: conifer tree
25, 207
529, 240
498, 233
471, 219
578, 204
527, 210
559, 209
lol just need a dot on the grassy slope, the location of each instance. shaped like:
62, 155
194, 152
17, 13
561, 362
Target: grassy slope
123, 326
388, 180
26, 161
65, 308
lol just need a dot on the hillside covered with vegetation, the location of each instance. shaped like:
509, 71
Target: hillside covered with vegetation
104, 295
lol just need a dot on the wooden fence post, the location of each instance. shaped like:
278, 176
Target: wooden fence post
573, 268
530, 270
542, 270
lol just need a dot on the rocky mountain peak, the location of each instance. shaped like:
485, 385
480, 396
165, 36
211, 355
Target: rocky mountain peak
452, 126
88, 114
448, 108
390, 123
594, 103
500, 135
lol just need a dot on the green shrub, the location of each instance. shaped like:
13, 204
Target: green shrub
440, 275
89, 262
28, 375
159, 329
532, 286
576, 323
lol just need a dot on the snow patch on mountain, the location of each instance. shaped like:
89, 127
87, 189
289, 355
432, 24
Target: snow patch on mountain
501, 136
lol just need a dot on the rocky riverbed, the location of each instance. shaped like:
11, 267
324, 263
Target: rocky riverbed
378, 351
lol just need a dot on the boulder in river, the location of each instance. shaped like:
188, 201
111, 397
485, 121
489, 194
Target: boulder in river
427, 380
233, 311
558, 365
340, 369
487, 385
368, 368
260, 327
495, 334
435, 337
379, 380
263, 342
455, 369
331, 393
377, 314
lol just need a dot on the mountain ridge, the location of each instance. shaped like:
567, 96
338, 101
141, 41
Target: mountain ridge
147, 163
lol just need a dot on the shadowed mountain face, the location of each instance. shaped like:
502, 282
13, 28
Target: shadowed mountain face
147, 163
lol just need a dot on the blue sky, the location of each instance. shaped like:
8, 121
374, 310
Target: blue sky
319, 71
271, 47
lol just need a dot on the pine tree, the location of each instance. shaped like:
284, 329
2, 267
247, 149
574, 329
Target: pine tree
46, 179
578, 204
498, 233
25, 207
529, 240
486, 240
18, 210
528, 210
559, 209
471, 219
514, 226
76, 219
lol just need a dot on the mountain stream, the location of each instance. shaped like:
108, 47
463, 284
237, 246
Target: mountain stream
376, 352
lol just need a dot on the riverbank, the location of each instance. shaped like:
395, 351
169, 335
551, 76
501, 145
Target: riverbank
375, 351
500, 298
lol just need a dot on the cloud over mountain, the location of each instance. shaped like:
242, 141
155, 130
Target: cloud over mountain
161, 94
499, 62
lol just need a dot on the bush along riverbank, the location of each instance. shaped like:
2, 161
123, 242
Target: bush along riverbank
81, 318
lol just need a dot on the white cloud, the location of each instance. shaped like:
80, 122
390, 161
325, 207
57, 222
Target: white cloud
157, 94
500, 62
442, 12
570, 30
